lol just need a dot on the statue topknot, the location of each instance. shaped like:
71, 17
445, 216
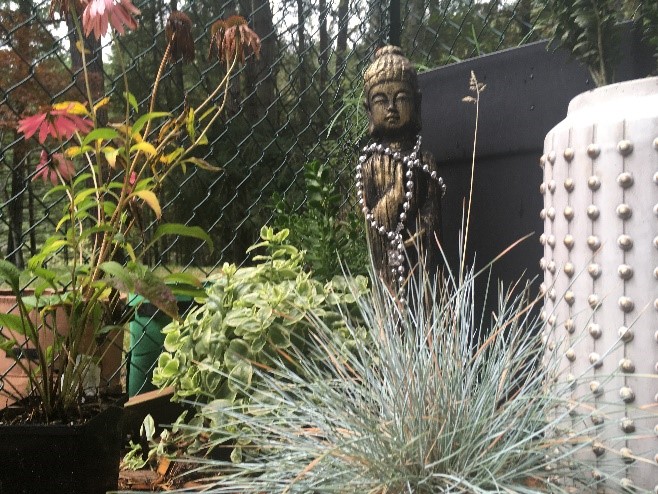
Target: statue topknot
390, 64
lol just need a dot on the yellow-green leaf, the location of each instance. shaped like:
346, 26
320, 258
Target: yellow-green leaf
149, 198
102, 103
168, 159
74, 107
145, 147
111, 156
190, 124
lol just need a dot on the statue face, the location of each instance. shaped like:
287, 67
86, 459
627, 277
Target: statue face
391, 108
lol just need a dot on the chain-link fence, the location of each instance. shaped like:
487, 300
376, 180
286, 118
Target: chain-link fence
294, 118
298, 103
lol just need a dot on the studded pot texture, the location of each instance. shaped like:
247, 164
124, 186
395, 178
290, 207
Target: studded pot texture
600, 267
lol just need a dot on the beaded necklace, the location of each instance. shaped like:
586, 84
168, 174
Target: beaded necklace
410, 162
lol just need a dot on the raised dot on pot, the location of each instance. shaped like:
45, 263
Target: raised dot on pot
625, 147
596, 388
625, 242
625, 272
626, 394
625, 334
627, 455
598, 448
627, 425
594, 270
593, 242
627, 365
569, 184
594, 330
626, 304
568, 213
569, 269
624, 211
595, 360
625, 180
569, 297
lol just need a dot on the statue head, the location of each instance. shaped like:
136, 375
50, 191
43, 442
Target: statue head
392, 97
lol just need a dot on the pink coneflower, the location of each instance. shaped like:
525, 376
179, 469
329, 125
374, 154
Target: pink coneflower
51, 168
232, 38
99, 14
58, 122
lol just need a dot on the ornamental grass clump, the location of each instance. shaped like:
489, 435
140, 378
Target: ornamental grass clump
416, 406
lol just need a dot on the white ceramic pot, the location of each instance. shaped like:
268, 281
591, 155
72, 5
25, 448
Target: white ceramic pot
601, 273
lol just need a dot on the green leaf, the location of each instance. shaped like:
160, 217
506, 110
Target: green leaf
237, 351
7, 346
170, 369
189, 123
241, 375
103, 330
203, 164
279, 336
10, 274
184, 278
104, 133
123, 275
183, 231
172, 341
141, 121
130, 98
13, 322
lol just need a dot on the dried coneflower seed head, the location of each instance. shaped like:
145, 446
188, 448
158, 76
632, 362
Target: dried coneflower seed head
179, 34
233, 39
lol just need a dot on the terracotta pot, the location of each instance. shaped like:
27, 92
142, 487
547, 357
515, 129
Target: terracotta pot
601, 272
14, 381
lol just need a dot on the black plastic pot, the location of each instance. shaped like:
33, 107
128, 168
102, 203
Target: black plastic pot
62, 459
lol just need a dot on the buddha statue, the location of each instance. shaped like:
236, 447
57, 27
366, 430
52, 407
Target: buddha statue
398, 186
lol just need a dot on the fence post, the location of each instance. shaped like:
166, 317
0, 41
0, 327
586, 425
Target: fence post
395, 23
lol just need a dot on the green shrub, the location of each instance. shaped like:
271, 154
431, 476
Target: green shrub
331, 233
251, 314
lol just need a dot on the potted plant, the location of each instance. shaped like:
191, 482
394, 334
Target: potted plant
102, 174
600, 248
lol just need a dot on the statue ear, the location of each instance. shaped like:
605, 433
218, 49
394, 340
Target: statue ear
371, 127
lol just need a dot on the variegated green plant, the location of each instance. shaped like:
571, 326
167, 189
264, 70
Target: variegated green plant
251, 313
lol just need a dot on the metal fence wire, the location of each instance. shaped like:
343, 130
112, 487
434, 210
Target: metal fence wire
298, 104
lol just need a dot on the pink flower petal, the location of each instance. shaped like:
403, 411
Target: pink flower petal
29, 125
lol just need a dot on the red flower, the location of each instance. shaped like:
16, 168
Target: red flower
117, 13
58, 122
230, 38
52, 168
